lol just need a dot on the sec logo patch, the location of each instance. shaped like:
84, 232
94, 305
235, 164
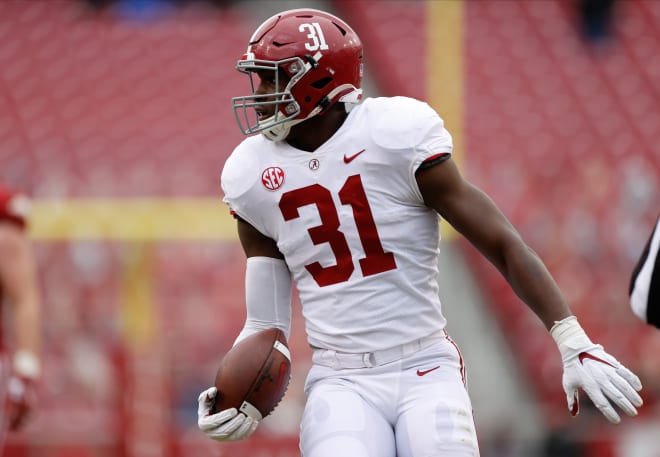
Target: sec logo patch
272, 178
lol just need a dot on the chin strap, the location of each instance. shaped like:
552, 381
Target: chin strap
350, 96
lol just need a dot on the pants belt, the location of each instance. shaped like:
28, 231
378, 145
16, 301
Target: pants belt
334, 359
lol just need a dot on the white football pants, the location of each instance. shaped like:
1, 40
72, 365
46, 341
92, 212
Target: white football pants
367, 405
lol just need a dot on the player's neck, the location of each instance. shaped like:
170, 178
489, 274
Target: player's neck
311, 134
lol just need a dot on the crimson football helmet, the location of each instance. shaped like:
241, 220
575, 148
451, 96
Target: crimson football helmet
320, 55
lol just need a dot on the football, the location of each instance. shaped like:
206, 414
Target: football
254, 375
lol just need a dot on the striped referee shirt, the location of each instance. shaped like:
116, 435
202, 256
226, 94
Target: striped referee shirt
645, 281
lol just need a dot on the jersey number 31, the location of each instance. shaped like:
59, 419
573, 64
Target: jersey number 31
352, 193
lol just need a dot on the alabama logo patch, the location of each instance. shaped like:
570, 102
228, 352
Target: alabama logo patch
272, 178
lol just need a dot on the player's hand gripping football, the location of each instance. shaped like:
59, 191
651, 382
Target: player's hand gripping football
601, 376
225, 425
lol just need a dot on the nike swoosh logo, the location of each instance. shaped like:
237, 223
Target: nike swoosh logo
349, 159
423, 372
586, 355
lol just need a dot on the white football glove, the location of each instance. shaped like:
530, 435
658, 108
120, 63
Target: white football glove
601, 376
225, 425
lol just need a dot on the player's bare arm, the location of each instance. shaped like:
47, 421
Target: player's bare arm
18, 277
586, 365
254, 243
475, 216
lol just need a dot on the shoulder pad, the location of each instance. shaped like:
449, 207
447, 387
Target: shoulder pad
400, 122
238, 172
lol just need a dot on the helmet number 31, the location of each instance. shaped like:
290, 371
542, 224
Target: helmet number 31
315, 35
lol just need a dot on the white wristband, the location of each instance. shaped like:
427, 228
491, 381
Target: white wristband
569, 336
26, 364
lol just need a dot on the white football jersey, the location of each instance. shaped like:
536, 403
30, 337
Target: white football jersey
350, 220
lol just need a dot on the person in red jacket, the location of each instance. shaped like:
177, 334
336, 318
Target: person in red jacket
19, 359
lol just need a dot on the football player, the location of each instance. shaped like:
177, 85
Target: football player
645, 281
19, 291
343, 196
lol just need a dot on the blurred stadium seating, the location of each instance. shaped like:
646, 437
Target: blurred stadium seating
560, 131
563, 133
